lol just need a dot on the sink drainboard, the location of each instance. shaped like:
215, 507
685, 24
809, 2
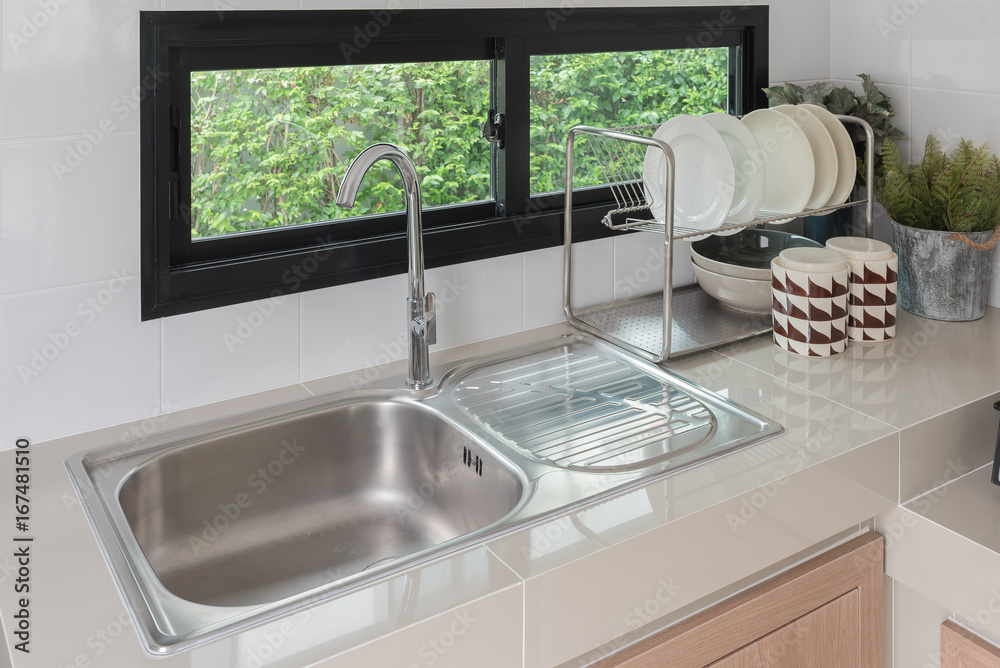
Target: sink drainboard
583, 410
386, 479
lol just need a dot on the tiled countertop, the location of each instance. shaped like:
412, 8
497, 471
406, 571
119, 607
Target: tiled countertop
573, 589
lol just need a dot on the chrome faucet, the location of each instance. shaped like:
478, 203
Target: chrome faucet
422, 328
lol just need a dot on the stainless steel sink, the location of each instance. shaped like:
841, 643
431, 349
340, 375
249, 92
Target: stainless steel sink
263, 514
211, 529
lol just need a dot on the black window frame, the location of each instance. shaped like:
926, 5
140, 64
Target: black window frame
180, 275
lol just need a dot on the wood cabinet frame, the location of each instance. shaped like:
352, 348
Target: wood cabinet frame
711, 635
961, 648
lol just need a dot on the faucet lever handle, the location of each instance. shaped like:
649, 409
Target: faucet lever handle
430, 319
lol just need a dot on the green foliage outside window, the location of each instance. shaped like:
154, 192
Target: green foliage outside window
269, 146
614, 90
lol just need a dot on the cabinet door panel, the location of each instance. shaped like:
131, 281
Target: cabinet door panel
852, 572
825, 638
961, 648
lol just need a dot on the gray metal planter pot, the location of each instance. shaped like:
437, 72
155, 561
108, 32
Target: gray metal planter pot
940, 278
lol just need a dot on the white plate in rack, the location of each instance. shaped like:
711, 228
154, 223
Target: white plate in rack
705, 179
824, 153
748, 161
788, 161
846, 159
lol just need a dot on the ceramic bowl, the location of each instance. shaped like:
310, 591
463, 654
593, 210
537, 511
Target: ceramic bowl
740, 294
747, 254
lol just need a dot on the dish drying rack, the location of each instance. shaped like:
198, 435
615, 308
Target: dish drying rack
678, 321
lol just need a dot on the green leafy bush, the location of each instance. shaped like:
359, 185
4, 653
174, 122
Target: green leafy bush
269, 146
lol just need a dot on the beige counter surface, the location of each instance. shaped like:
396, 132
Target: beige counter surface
583, 584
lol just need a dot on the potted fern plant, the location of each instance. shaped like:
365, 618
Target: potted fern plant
945, 216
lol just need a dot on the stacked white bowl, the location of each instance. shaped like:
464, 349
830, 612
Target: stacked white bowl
736, 269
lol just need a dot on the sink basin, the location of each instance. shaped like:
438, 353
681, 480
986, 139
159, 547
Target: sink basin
260, 515
214, 528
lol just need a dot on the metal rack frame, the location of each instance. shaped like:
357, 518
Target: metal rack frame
677, 321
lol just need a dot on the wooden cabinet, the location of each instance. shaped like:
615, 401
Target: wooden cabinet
961, 648
824, 613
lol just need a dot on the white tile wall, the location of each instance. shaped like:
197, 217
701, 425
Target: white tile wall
593, 278
67, 222
76, 359
229, 352
477, 300
349, 326
937, 61
71, 67
874, 39
639, 264
956, 44
68, 83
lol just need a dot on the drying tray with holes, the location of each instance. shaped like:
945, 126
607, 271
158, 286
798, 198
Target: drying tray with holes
675, 321
698, 322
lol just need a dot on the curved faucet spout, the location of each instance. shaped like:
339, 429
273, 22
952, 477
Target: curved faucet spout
420, 306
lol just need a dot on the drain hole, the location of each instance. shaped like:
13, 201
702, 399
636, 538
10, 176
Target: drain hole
383, 560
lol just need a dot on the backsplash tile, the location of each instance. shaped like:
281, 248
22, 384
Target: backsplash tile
478, 300
71, 68
593, 280
352, 326
955, 45
231, 351
76, 359
951, 116
879, 44
64, 224
640, 261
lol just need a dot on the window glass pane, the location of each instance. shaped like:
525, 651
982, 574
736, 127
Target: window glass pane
269, 146
615, 89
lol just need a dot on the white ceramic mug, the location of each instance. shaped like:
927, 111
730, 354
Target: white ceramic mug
809, 289
871, 310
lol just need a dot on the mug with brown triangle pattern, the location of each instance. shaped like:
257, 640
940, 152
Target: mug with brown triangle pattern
871, 310
809, 290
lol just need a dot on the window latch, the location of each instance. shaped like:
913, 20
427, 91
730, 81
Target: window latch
493, 129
